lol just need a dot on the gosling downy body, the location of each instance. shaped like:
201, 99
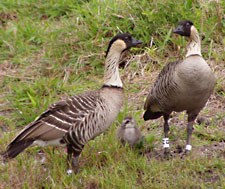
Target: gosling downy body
75, 121
129, 133
184, 85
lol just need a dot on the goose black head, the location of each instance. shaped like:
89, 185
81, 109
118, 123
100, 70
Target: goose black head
128, 122
122, 42
184, 28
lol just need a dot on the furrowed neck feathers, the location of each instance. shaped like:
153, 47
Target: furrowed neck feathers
194, 46
111, 75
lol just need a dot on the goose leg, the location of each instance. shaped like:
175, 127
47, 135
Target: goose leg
191, 119
69, 153
69, 159
166, 135
72, 159
75, 162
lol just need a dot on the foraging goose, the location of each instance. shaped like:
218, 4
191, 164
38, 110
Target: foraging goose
78, 119
129, 132
182, 85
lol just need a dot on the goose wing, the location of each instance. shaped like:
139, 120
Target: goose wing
60, 116
162, 88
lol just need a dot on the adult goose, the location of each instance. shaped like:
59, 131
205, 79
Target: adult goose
75, 121
185, 85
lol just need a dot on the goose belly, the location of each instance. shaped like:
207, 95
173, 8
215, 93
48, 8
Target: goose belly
193, 96
43, 143
195, 83
189, 102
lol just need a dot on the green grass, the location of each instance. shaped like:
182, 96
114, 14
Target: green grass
53, 49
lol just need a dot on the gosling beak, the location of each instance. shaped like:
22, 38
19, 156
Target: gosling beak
123, 125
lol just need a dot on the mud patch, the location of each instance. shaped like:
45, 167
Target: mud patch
92, 185
216, 149
7, 16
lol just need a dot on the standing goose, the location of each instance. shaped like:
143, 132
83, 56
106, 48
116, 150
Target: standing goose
78, 119
184, 85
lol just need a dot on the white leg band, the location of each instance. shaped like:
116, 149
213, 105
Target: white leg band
188, 147
69, 171
166, 143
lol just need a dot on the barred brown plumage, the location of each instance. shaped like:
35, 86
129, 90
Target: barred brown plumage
181, 86
74, 121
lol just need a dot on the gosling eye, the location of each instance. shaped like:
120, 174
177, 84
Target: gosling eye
126, 122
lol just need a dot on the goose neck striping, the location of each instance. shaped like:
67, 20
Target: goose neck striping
111, 76
194, 46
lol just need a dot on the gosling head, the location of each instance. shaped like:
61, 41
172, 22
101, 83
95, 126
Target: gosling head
128, 122
122, 42
184, 28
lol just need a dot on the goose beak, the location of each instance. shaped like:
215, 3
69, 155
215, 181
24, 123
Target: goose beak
179, 30
135, 42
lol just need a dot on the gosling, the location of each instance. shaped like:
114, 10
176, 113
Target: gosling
129, 133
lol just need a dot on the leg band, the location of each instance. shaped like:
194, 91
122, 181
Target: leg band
69, 171
166, 143
188, 147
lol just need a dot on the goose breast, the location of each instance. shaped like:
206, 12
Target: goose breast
195, 82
